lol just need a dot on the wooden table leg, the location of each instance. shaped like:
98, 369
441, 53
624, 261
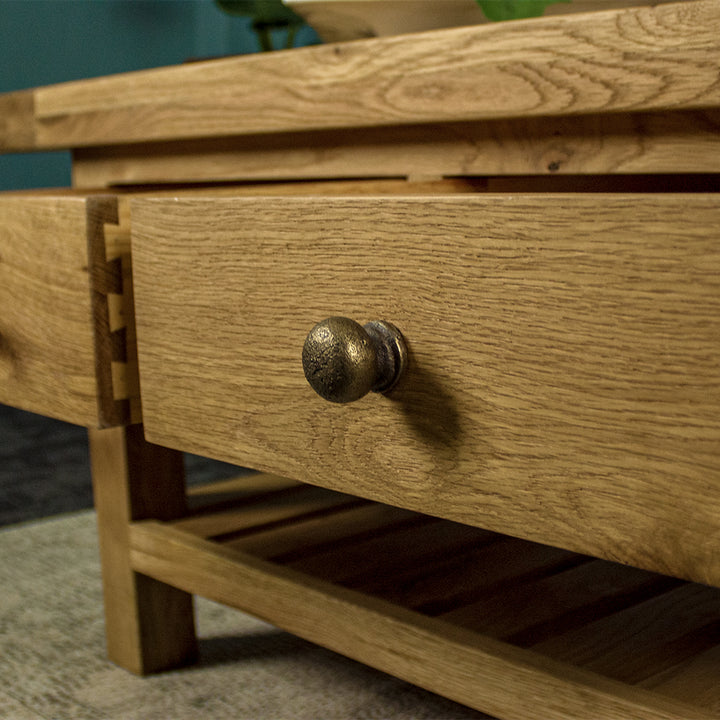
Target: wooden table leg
149, 625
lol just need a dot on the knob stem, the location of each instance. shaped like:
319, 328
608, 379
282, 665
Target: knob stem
391, 354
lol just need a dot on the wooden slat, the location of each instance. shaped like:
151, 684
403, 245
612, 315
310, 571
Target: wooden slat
638, 59
56, 347
400, 546
694, 681
669, 142
483, 673
564, 357
266, 509
527, 612
309, 536
454, 579
426, 564
641, 641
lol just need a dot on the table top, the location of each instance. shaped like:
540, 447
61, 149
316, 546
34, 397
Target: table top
617, 61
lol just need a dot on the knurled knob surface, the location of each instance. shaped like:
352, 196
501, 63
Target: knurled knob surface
343, 360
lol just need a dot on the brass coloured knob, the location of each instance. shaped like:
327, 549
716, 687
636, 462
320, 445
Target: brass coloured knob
343, 360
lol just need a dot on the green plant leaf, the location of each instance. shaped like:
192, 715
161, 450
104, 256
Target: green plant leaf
514, 9
271, 13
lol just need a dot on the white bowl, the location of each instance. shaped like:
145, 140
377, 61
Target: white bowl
338, 20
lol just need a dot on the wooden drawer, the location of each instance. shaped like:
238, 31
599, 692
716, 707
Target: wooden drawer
564, 380
62, 324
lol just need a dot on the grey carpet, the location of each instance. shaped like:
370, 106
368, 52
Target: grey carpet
52, 656
45, 467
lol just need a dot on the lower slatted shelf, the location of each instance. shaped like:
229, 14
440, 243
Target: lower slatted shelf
506, 626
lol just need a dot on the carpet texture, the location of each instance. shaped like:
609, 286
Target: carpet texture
45, 467
53, 666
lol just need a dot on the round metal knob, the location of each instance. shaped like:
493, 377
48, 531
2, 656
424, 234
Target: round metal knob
343, 360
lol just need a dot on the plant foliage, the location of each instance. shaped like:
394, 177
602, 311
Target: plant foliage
264, 12
266, 15
514, 9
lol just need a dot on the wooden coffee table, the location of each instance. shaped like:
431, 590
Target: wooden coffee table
529, 521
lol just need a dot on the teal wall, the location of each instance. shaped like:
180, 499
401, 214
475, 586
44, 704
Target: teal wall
50, 41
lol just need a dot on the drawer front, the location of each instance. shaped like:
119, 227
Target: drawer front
564, 372
58, 344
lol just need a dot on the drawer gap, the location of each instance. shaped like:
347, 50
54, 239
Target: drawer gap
210, 497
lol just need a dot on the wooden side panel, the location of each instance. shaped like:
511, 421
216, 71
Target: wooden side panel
672, 142
55, 343
564, 357
638, 59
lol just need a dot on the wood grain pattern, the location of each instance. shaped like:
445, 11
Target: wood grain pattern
426, 540
564, 357
528, 612
307, 536
67, 332
637, 59
483, 673
55, 345
17, 121
694, 680
149, 625
665, 630
277, 506
669, 142
455, 577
